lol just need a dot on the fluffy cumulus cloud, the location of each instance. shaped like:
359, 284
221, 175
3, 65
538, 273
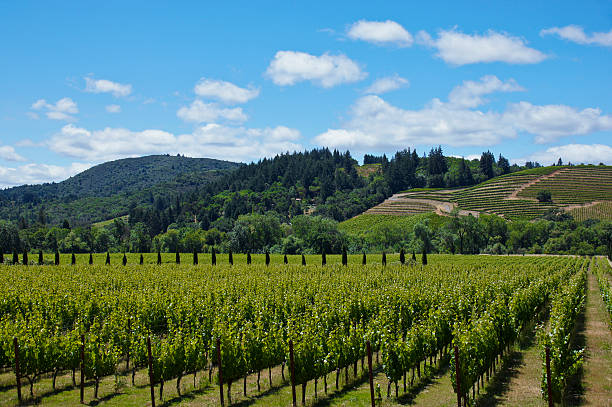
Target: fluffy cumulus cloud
290, 67
38, 173
457, 48
200, 112
210, 140
387, 84
380, 33
376, 125
8, 153
224, 91
470, 93
63, 109
113, 109
576, 34
574, 153
106, 86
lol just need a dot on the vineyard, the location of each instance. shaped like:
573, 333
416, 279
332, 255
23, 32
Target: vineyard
255, 327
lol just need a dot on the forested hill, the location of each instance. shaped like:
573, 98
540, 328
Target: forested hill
121, 184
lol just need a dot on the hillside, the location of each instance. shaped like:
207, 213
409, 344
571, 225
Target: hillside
583, 191
108, 190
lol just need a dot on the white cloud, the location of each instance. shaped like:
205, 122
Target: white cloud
210, 140
106, 86
113, 108
199, 112
61, 110
380, 32
551, 122
574, 153
224, 91
387, 84
576, 34
469, 93
290, 67
8, 153
376, 125
457, 48
38, 173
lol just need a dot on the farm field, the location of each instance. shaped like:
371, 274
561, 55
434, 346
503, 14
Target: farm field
583, 191
411, 314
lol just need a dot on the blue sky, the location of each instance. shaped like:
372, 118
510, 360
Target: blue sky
82, 84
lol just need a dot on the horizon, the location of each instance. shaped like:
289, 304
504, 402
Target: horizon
97, 84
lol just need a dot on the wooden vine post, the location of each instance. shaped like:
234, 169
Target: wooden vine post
548, 378
151, 383
17, 373
458, 379
371, 375
82, 384
220, 371
292, 371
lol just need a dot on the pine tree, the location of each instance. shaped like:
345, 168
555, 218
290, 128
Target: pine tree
124, 261
363, 259
344, 257
57, 258
213, 257
323, 258
141, 259
159, 260
384, 259
107, 258
267, 258
230, 258
402, 256
249, 257
303, 260
285, 260
195, 257
40, 258
424, 258
73, 259
90, 258
178, 258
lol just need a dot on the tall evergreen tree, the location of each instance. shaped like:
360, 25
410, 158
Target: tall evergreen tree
344, 257
124, 261
40, 258
323, 258
384, 259
248, 257
364, 260
402, 256
303, 260
195, 257
177, 259
73, 259
107, 258
15, 257
57, 258
285, 260
503, 164
90, 258
413, 256
213, 257
25, 257
487, 159
1, 256
230, 258
141, 259
267, 258
424, 258
159, 259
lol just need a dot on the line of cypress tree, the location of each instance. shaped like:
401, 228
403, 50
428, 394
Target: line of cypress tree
124, 261
195, 257
364, 260
73, 259
177, 258
285, 260
323, 258
90, 258
267, 258
213, 257
230, 258
40, 258
344, 257
384, 259
141, 259
107, 262
249, 257
402, 256
303, 260
57, 258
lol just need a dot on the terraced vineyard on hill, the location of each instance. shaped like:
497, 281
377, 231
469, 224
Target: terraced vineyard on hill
583, 191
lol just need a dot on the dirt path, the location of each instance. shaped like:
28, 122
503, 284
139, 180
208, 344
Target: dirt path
514, 194
598, 353
441, 207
